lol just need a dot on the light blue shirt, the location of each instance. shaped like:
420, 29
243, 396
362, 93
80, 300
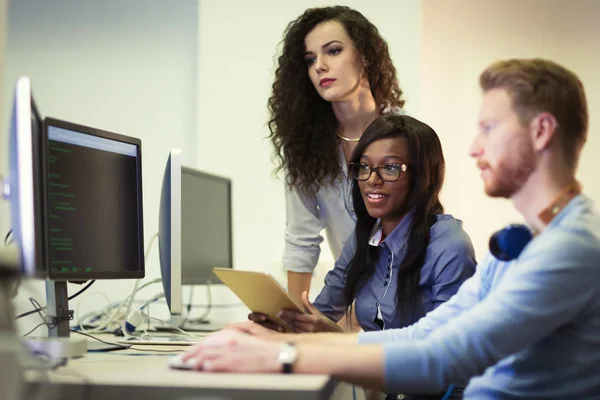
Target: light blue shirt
449, 261
529, 328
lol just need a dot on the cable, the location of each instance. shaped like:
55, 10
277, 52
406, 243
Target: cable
129, 348
86, 287
188, 308
105, 317
137, 283
40, 308
54, 321
8, 236
448, 392
190, 302
31, 331
115, 314
94, 314
202, 318
148, 335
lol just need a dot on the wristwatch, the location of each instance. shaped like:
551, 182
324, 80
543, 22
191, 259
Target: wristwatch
288, 354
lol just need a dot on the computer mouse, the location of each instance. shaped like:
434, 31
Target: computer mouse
176, 362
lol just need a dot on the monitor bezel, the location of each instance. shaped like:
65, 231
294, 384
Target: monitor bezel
83, 276
26, 181
172, 175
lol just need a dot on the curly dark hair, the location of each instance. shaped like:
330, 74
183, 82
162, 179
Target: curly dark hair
427, 168
303, 124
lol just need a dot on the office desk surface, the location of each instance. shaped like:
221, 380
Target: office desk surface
144, 374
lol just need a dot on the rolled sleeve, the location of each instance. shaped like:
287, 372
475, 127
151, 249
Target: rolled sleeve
303, 232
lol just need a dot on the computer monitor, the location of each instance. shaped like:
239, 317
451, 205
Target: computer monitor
93, 203
169, 235
195, 229
24, 188
61, 176
206, 236
92, 208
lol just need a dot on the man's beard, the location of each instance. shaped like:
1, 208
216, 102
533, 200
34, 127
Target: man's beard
512, 173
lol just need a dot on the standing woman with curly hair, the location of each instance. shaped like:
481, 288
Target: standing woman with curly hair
334, 77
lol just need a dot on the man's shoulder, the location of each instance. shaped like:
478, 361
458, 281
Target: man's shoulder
578, 233
572, 245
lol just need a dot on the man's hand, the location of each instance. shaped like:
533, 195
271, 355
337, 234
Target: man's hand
255, 329
230, 350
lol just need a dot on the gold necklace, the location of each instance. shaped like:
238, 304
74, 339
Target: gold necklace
347, 139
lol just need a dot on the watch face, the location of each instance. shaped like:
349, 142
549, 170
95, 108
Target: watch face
287, 356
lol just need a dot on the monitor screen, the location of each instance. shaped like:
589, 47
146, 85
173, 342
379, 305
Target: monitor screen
206, 234
93, 203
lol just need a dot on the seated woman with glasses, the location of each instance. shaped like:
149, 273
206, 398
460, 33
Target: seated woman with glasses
406, 257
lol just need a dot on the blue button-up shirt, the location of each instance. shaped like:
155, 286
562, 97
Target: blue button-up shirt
526, 329
449, 261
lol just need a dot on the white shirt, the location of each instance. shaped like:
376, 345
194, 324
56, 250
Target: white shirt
330, 208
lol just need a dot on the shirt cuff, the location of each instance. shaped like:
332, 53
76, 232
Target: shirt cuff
300, 261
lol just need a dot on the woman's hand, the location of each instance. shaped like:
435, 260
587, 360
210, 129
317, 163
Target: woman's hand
263, 320
313, 321
230, 350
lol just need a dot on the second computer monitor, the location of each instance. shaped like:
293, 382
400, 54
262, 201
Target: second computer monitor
195, 232
206, 237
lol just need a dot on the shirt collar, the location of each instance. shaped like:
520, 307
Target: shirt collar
396, 239
376, 234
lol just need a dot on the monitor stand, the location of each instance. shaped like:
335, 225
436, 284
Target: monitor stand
59, 343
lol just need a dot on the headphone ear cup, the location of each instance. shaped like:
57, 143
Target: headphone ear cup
508, 243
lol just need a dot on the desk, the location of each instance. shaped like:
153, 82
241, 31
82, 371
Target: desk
129, 374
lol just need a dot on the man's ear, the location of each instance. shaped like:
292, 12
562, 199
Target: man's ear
543, 128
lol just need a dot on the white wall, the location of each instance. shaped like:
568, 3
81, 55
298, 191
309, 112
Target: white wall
460, 39
127, 67
238, 42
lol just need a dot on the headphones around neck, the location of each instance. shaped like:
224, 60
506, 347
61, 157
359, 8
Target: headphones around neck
508, 243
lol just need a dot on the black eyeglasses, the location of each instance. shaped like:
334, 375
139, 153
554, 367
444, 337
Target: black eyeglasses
386, 172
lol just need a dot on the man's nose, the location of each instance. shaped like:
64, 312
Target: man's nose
476, 148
